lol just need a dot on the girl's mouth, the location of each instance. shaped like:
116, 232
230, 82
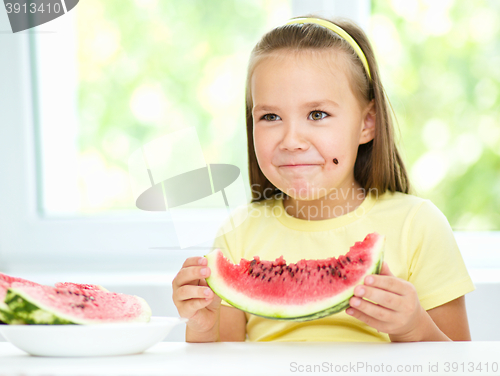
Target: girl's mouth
299, 165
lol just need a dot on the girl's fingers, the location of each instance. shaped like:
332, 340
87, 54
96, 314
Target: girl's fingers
188, 308
374, 311
190, 275
369, 320
194, 261
187, 292
385, 270
385, 298
388, 283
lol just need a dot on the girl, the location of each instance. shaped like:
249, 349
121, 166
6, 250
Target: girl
325, 172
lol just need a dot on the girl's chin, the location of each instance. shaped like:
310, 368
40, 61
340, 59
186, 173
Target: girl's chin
306, 194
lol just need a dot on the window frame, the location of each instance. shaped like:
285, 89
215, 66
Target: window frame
30, 241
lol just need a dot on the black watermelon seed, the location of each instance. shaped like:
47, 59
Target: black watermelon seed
250, 271
269, 280
327, 272
281, 271
348, 259
293, 274
345, 277
361, 261
318, 268
323, 267
256, 275
340, 275
252, 263
283, 279
263, 276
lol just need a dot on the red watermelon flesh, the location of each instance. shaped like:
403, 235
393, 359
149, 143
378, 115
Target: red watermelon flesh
301, 291
7, 280
79, 286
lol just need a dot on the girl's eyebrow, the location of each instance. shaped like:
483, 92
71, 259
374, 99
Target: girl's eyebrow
305, 105
321, 103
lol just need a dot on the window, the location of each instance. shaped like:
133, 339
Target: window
439, 61
136, 71
111, 76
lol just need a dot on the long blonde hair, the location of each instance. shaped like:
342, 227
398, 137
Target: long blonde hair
378, 164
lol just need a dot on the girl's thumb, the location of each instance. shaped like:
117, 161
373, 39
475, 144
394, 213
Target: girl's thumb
385, 270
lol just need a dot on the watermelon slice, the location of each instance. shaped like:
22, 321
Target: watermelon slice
6, 281
307, 290
63, 305
26, 302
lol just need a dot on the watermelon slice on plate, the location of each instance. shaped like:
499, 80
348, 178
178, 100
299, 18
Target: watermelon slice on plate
51, 305
26, 302
302, 291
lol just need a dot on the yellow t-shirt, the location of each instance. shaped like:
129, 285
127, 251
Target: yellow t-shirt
420, 248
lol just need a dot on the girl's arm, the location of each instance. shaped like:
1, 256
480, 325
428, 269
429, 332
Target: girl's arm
232, 324
229, 327
451, 319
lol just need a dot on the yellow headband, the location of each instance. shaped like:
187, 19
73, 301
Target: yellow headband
337, 30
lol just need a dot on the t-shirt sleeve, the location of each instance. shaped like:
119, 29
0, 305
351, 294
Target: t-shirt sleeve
436, 267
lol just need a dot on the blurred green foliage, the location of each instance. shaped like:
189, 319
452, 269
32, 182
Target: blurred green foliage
440, 63
148, 67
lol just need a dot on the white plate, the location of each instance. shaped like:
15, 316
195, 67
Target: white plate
89, 340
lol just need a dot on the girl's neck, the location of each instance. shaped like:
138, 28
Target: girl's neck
338, 202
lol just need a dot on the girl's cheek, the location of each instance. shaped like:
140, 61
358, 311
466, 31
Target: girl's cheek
262, 143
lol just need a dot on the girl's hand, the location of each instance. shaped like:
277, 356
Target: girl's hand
192, 296
395, 310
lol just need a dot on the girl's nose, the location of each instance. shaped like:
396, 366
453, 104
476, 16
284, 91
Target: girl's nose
293, 139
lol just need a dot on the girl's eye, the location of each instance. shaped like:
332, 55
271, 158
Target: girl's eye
271, 117
317, 115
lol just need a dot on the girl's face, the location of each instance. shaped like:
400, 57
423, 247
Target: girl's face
305, 116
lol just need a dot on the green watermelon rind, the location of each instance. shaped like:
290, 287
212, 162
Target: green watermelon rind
8, 317
24, 308
31, 313
335, 305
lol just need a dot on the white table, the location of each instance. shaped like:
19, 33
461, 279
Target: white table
174, 358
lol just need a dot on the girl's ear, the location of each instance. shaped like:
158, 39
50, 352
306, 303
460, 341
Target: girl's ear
369, 120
